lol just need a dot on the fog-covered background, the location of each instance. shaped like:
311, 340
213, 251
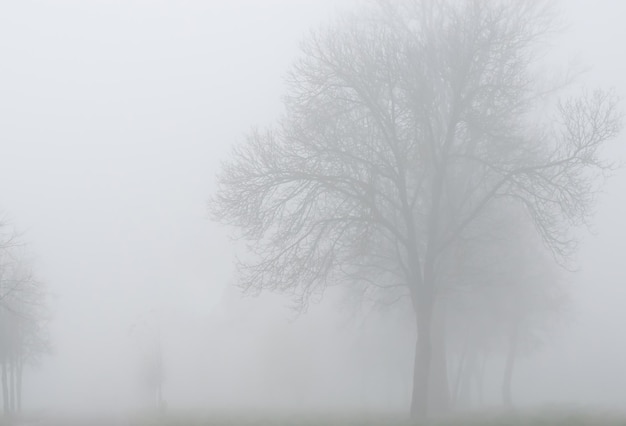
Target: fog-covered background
114, 118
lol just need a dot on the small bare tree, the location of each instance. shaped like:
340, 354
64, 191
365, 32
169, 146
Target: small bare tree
503, 294
23, 321
403, 126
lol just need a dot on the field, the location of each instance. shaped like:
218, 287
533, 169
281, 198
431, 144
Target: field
545, 417
538, 418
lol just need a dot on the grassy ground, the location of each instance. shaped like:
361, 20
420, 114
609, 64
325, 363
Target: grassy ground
544, 417
538, 418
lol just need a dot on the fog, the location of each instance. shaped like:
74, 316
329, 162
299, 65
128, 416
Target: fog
115, 117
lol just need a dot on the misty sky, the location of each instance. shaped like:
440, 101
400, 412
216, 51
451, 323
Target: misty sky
114, 117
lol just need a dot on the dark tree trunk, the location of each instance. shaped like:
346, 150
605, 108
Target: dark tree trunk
18, 386
421, 367
439, 400
508, 369
12, 385
5, 388
424, 305
430, 375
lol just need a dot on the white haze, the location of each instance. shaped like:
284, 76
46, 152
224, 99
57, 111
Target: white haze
114, 117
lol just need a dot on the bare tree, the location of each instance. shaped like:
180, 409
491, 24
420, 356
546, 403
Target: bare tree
504, 295
23, 322
403, 126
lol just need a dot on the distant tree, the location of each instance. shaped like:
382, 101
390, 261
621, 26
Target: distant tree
23, 321
504, 296
403, 126
528, 306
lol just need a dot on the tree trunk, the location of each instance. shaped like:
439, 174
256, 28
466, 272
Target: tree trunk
18, 384
160, 398
12, 385
421, 368
423, 354
480, 378
5, 388
465, 396
459, 375
439, 400
508, 369
430, 372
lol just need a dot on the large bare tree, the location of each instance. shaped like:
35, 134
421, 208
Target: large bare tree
404, 125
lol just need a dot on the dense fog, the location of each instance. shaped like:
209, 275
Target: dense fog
116, 118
